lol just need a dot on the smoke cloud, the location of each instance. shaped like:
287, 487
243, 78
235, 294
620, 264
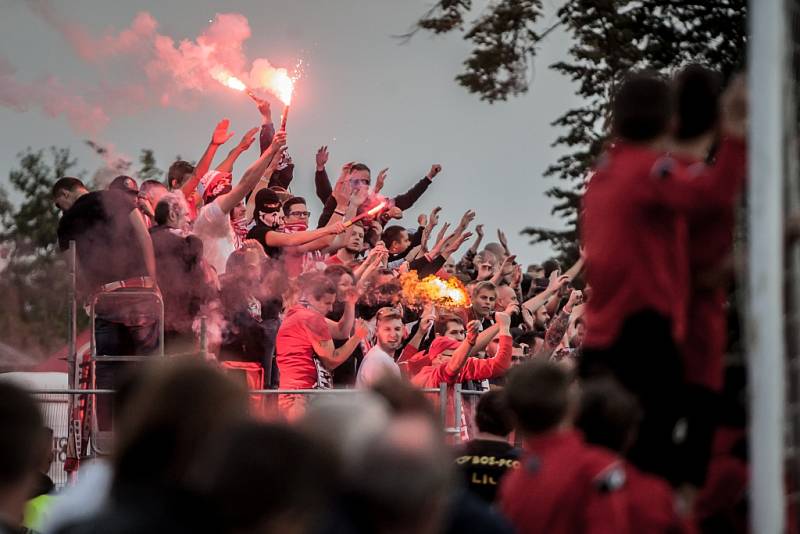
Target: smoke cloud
160, 70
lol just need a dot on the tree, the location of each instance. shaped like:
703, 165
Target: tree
149, 169
33, 274
610, 38
34, 282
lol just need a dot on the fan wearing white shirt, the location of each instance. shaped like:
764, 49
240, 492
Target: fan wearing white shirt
379, 361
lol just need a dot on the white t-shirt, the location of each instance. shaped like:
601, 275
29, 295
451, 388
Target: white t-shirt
213, 227
377, 364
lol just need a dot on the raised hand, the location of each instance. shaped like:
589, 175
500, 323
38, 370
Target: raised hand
428, 316
433, 219
473, 329
263, 107
479, 231
503, 319
278, 143
221, 134
575, 299
322, 158
435, 169
380, 180
247, 139
467, 218
503, 240
342, 192
455, 243
361, 329
422, 220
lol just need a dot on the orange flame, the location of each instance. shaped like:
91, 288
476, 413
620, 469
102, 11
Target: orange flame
449, 293
377, 209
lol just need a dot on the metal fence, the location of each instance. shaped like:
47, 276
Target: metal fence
55, 405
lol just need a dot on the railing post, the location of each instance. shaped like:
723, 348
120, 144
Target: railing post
457, 405
443, 404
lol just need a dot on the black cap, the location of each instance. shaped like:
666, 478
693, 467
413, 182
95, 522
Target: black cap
124, 183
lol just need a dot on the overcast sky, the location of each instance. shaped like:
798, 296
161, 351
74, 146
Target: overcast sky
364, 94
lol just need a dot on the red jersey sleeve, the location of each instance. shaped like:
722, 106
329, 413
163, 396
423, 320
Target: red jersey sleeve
698, 187
607, 506
480, 369
317, 328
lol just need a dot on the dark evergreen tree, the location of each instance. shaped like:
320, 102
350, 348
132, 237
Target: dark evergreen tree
609, 38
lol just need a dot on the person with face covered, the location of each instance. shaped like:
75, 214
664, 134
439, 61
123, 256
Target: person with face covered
270, 230
220, 222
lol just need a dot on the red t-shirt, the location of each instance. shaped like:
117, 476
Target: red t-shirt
651, 504
333, 259
294, 348
565, 486
634, 229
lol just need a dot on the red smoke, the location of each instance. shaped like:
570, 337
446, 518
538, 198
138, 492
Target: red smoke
167, 72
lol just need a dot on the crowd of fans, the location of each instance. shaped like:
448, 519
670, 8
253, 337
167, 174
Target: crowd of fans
602, 381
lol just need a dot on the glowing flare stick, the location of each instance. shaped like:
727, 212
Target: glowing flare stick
371, 213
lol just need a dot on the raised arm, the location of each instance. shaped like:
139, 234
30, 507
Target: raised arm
558, 327
238, 150
322, 183
219, 137
252, 175
407, 199
331, 356
459, 357
341, 329
556, 283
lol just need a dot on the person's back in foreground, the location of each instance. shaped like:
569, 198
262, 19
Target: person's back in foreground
609, 417
563, 484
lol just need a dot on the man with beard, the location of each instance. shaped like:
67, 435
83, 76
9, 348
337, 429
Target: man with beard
379, 361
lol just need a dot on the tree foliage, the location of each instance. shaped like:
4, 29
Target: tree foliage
33, 274
609, 38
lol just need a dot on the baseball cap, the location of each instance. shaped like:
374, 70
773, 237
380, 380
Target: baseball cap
124, 183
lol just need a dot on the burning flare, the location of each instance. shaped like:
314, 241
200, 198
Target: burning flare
371, 213
450, 293
228, 80
283, 86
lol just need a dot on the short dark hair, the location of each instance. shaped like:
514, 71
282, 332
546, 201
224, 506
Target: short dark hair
287, 206
549, 266
20, 433
67, 183
696, 94
334, 272
492, 415
391, 235
642, 107
440, 325
316, 284
537, 393
609, 415
177, 171
359, 167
